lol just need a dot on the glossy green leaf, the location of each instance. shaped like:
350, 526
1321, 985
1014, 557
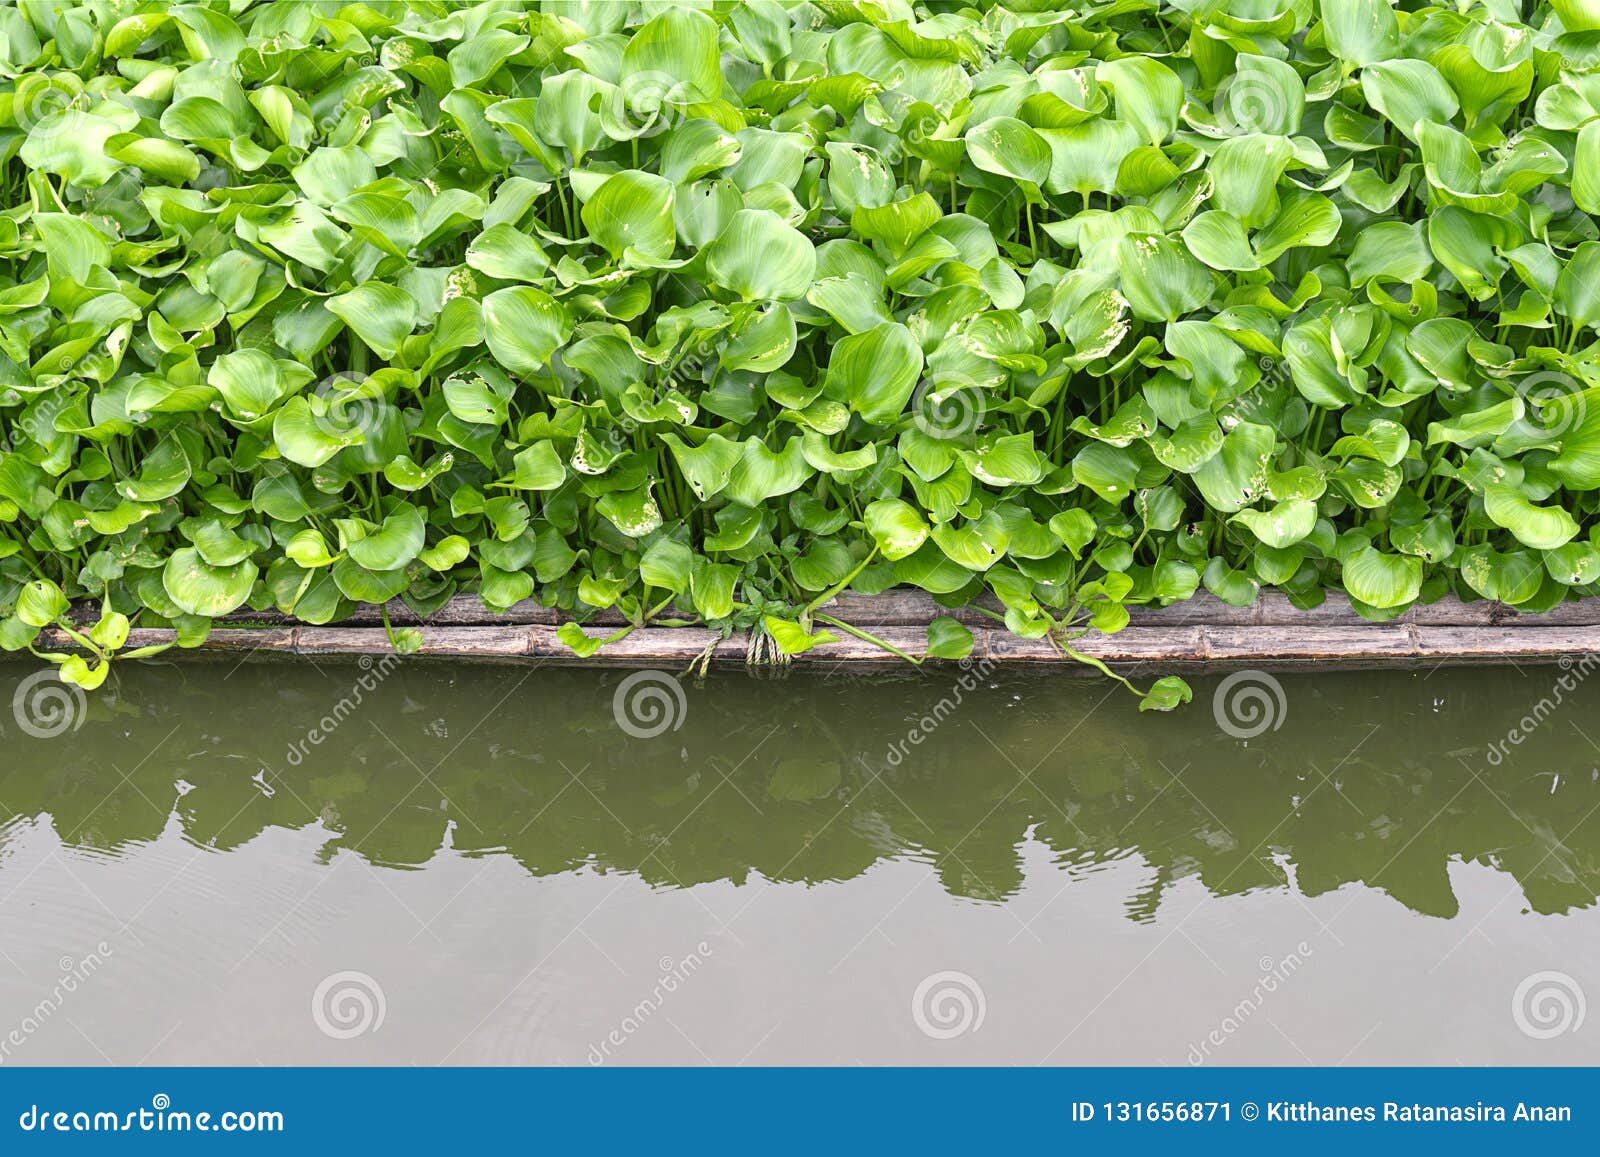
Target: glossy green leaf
523, 327
875, 372
759, 257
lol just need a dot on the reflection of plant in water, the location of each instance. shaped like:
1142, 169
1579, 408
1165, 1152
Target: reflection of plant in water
789, 782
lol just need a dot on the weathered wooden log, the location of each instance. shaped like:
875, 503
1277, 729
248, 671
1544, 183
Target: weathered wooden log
917, 608
1164, 641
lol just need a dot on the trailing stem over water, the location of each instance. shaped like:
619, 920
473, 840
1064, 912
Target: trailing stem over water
702, 313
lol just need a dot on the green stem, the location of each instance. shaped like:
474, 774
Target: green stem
1091, 661
869, 638
825, 596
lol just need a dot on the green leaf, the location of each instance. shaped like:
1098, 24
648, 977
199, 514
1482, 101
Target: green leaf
676, 50
580, 643
1576, 416
523, 327
1360, 31
666, 565
897, 224
792, 638
708, 467
632, 210
1148, 93
40, 603
501, 251
1236, 475
537, 467
1284, 525
71, 143
711, 587
1264, 95
1161, 281
395, 543
1008, 147
163, 474
1541, 527
1408, 91
1244, 173
72, 247
948, 639
1075, 528
381, 315
448, 553
1577, 289
1383, 580
1167, 694
198, 588
760, 258
896, 527
308, 437
875, 372
1219, 240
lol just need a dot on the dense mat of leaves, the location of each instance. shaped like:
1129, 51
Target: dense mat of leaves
708, 311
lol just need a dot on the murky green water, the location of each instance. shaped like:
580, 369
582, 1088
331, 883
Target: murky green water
434, 863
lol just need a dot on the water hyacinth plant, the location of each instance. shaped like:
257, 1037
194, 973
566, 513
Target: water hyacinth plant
709, 311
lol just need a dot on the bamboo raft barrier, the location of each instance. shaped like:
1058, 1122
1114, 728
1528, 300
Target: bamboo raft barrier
1202, 633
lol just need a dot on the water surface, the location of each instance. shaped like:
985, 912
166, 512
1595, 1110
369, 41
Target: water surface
429, 863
